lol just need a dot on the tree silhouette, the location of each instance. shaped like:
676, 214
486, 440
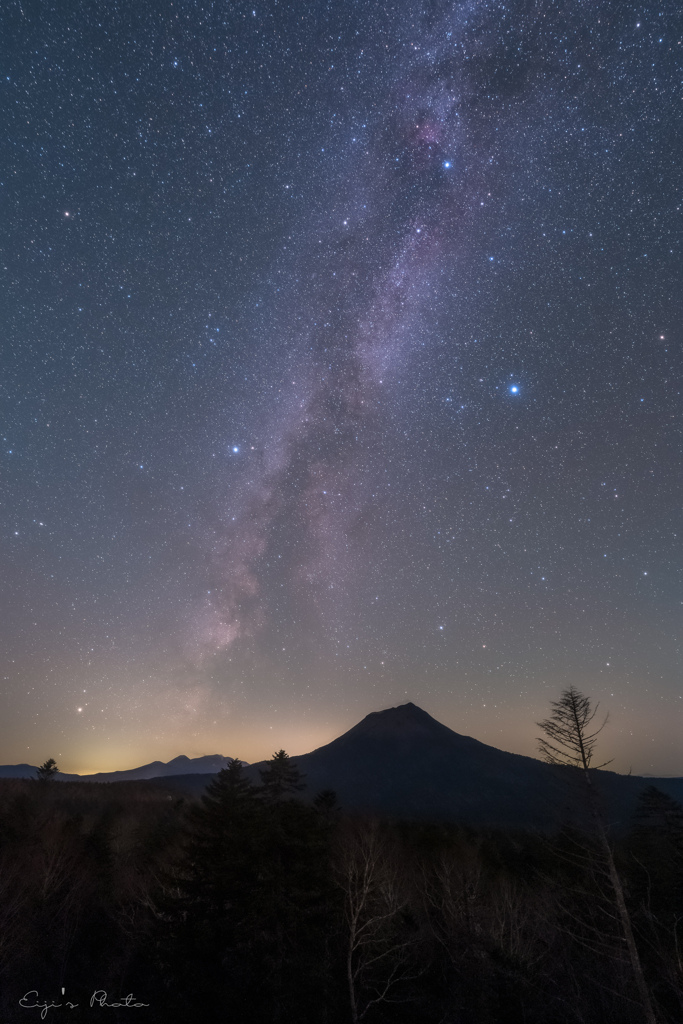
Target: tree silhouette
569, 741
378, 947
47, 771
208, 898
656, 845
223, 839
660, 814
247, 907
281, 778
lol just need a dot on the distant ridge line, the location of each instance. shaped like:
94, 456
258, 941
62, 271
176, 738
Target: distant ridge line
402, 763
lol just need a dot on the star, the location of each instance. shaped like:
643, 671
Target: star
334, 353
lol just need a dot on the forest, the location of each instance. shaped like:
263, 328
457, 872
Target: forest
253, 905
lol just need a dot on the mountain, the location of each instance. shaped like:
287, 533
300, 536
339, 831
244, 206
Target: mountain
24, 771
403, 763
182, 765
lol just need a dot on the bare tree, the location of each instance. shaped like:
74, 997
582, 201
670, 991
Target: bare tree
570, 741
378, 948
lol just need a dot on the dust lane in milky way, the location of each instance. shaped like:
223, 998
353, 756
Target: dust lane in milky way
374, 289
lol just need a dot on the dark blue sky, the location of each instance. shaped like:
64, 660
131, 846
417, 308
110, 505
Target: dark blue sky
341, 367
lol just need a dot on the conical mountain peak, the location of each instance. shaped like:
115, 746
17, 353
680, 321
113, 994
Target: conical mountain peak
405, 714
404, 721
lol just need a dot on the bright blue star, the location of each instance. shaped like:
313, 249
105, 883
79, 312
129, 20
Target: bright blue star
514, 390
447, 164
235, 449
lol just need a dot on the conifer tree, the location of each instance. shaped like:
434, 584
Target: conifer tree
659, 813
209, 899
656, 844
223, 837
281, 778
47, 770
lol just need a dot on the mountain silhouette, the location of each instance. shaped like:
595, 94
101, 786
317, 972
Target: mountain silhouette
402, 763
180, 765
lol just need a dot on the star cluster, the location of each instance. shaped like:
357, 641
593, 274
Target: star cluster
341, 367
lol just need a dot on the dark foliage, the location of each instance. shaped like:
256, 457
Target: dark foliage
252, 906
47, 770
281, 778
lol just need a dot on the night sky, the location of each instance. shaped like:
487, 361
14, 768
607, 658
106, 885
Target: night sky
341, 367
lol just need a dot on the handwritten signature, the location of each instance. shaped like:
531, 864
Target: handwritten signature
30, 1001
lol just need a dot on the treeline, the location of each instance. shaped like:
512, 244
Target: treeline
251, 905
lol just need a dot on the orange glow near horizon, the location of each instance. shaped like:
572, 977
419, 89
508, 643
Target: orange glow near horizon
509, 728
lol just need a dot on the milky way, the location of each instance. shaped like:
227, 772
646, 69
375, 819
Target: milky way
371, 296
343, 361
